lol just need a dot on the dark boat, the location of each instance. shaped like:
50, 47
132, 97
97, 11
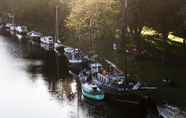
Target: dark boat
168, 111
6, 28
115, 85
118, 88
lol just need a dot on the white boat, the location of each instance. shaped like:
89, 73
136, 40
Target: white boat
21, 30
12, 29
8, 26
95, 67
48, 40
34, 36
46, 47
73, 55
68, 50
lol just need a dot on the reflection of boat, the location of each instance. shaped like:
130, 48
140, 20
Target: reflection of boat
91, 91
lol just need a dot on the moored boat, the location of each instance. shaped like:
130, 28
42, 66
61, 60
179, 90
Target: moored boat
34, 36
115, 85
75, 59
5, 29
168, 111
92, 91
21, 30
73, 55
48, 40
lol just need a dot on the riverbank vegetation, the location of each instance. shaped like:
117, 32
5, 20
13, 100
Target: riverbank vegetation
151, 27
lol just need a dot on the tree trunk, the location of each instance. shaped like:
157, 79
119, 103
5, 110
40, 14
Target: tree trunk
137, 39
137, 43
165, 46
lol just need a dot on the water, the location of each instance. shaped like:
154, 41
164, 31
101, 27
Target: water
33, 85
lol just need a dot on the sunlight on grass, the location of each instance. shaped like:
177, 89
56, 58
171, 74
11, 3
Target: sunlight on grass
175, 38
150, 32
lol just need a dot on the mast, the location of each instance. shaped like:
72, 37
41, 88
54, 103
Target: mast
124, 32
125, 15
55, 41
12, 18
12, 15
57, 24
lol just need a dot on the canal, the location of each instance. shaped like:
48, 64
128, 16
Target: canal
33, 86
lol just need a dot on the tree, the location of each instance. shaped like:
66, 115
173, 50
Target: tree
37, 14
136, 18
94, 19
181, 31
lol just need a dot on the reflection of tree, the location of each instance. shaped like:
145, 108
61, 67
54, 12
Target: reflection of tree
68, 89
55, 66
62, 88
55, 70
93, 109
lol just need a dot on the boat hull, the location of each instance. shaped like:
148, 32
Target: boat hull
93, 97
76, 67
133, 96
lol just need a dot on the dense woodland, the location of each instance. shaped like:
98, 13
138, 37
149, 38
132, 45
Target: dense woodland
105, 21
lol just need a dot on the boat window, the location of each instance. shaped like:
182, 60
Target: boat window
50, 38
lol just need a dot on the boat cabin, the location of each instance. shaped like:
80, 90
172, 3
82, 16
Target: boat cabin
95, 68
73, 54
68, 50
34, 34
21, 29
47, 40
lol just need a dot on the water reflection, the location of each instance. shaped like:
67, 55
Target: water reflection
35, 83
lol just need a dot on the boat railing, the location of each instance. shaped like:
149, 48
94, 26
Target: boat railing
136, 86
101, 78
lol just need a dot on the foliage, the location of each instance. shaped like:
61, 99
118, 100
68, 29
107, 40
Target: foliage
94, 16
100, 19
